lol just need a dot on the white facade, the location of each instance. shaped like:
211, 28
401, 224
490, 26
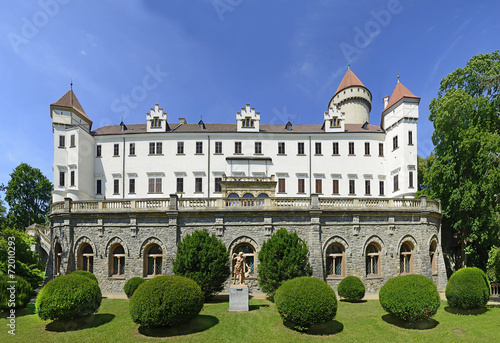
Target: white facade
342, 156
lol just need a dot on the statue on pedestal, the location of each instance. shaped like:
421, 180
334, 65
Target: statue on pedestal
241, 268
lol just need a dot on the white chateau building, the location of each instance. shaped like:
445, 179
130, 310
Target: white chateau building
129, 186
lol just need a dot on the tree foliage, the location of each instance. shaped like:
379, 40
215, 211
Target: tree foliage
465, 175
493, 267
282, 257
423, 167
27, 264
28, 195
203, 258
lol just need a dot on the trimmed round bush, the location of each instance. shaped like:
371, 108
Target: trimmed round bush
305, 301
351, 288
131, 285
68, 297
20, 295
467, 289
410, 297
167, 300
85, 273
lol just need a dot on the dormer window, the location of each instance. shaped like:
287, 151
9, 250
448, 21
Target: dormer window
155, 122
247, 122
201, 125
335, 122
288, 126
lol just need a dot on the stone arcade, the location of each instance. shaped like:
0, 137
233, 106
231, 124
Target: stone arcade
125, 195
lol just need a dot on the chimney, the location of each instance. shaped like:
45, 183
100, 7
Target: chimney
386, 101
182, 121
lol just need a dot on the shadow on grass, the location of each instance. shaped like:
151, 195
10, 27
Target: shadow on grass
473, 312
353, 302
256, 307
82, 323
28, 310
329, 328
425, 324
198, 324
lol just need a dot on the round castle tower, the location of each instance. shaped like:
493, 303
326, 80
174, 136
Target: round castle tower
354, 99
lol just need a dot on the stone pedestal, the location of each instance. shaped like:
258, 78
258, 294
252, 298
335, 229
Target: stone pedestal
238, 298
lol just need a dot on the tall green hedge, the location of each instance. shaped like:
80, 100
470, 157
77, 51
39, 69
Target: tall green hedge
203, 258
282, 257
18, 293
410, 297
68, 297
167, 300
467, 289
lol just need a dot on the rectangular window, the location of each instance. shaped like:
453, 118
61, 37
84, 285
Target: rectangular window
99, 187
281, 185
281, 148
154, 185
180, 147
381, 187
116, 186
335, 148
352, 187
319, 186
131, 186
317, 150
72, 178
396, 182
300, 148
218, 148
198, 185
152, 146
351, 148
302, 186
199, 148
159, 148
335, 186
410, 179
180, 185
381, 149
62, 141
367, 187
218, 187
73, 141
158, 185
61, 178
367, 148
116, 150
258, 147
131, 150
99, 151
237, 147
410, 138
394, 142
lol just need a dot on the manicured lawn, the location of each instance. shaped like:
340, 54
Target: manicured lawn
360, 322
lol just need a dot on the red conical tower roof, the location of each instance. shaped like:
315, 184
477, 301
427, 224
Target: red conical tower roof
399, 93
70, 100
350, 79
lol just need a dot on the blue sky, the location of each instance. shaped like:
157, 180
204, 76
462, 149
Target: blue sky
211, 57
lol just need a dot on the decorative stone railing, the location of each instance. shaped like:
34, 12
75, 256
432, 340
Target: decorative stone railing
495, 289
196, 204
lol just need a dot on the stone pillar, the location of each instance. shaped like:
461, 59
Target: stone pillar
173, 202
238, 298
315, 246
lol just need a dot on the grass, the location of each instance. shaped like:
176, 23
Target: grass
355, 322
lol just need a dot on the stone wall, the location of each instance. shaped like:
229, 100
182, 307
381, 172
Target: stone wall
354, 230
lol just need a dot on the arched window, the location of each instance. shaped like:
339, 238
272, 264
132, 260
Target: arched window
335, 260
263, 195
249, 254
248, 195
406, 259
118, 256
233, 195
372, 260
87, 258
432, 255
233, 201
154, 258
58, 255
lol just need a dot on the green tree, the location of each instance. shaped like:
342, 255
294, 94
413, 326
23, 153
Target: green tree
205, 259
28, 195
493, 267
3, 211
282, 257
423, 167
465, 175
27, 264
